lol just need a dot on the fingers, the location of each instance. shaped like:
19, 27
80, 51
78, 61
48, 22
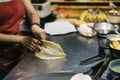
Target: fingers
35, 46
41, 36
31, 43
39, 32
34, 49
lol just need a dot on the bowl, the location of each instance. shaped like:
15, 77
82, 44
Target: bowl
80, 76
114, 68
113, 17
114, 47
104, 27
86, 30
113, 37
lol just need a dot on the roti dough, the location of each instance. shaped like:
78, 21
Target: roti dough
51, 50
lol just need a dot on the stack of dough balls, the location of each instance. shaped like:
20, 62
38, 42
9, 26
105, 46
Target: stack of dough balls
51, 50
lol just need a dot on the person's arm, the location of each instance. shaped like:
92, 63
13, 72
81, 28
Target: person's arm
26, 41
31, 12
34, 18
10, 38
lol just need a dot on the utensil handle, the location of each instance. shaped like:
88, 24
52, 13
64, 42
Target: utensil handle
103, 67
115, 77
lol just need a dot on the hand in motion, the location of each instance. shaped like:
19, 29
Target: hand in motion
38, 32
31, 43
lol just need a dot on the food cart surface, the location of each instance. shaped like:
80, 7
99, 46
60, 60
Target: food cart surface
74, 45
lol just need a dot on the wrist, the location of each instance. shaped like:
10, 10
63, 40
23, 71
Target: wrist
35, 24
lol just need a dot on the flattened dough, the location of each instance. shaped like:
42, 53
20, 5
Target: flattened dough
51, 50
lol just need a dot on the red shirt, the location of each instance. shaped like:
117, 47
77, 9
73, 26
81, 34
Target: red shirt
11, 14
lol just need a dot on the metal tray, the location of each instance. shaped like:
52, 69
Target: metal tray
51, 76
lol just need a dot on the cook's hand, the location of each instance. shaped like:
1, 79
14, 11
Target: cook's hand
31, 43
38, 32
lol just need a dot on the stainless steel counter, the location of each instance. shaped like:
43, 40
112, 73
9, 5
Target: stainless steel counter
75, 46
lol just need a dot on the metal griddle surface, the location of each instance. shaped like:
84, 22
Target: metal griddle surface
52, 76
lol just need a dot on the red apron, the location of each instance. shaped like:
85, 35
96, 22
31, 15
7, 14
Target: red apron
11, 14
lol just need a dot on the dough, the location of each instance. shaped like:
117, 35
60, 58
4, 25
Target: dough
80, 76
51, 50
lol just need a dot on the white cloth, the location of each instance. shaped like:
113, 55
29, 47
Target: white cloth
59, 27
